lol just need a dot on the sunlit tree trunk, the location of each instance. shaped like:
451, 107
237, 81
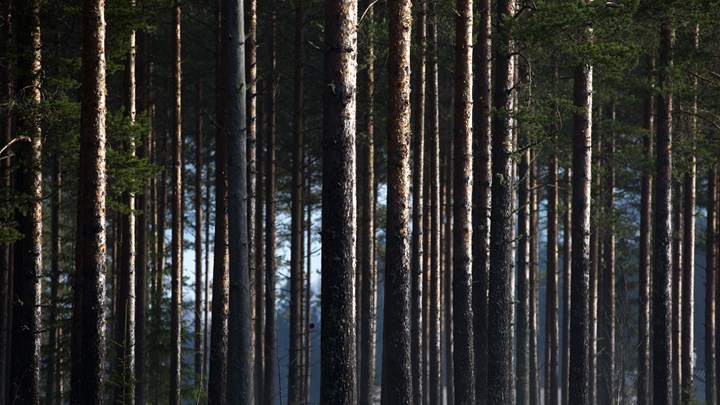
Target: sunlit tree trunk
661, 302
551, 323
88, 346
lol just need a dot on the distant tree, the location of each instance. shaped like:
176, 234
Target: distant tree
710, 282
551, 323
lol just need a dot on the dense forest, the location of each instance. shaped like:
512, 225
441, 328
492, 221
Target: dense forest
359, 201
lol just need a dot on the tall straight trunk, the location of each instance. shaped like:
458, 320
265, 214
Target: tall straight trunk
533, 310
661, 303
24, 367
434, 381
206, 307
501, 297
580, 317
270, 229
126, 317
254, 151
595, 258
160, 251
481, 195
260, 257
464, 357
88, 345
337, 381
676, 286
710, 281
551, 312
522, 351
53, 386
5, 248
198, 239
367, 214
448, 290
606, 315
240, 322
142, 223
217, 375
566, 278
308, 293
644, 393
295, 374
177, 215
688, 251
397, 381
418, 169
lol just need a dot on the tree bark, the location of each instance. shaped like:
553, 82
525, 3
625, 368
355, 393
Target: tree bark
501, 297
710, 281
397, 381
308, 292
125, 332
417, 335
595, 259
661, 305
367, 214
688, 251
295, 374
338, 379
481, 195
534, 263
88, 346
522, 352
53, 385
270, 228
580, 317
567, 281
606, 338
644, 393
676, 287
551, 312
217, 376
198, 339
5, 248
448, 293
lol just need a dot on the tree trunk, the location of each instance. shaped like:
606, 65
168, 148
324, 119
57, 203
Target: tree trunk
661, 305
295, 375
606, 316
260, 258
644, 393
217, 376
367, 215
481, 196
53, 386
566, 277
397, 382
580, 316
270, 229
501, 297
448, 293
710, 281
418, 169
206, 307
551, 312
126, 317
88, 346
522, 352
676, 287
198, 240
595, 258
338, 384
308, 296
533, 310
177, 216
688, 252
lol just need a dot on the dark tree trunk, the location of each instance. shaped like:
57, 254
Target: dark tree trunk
397, 381
270, 228
481, 196
308, 294
367, 214
448, 290
661, 305
5, 248
551, 312
338, 379
566, 277
533, 310
295, 375
53, 386
644, 393
522, 352
688, 252
501, 297
240, 322
217, 375
417, 335
580, 317
177, 216
606, 316
198, 240
88, 346
710, 281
